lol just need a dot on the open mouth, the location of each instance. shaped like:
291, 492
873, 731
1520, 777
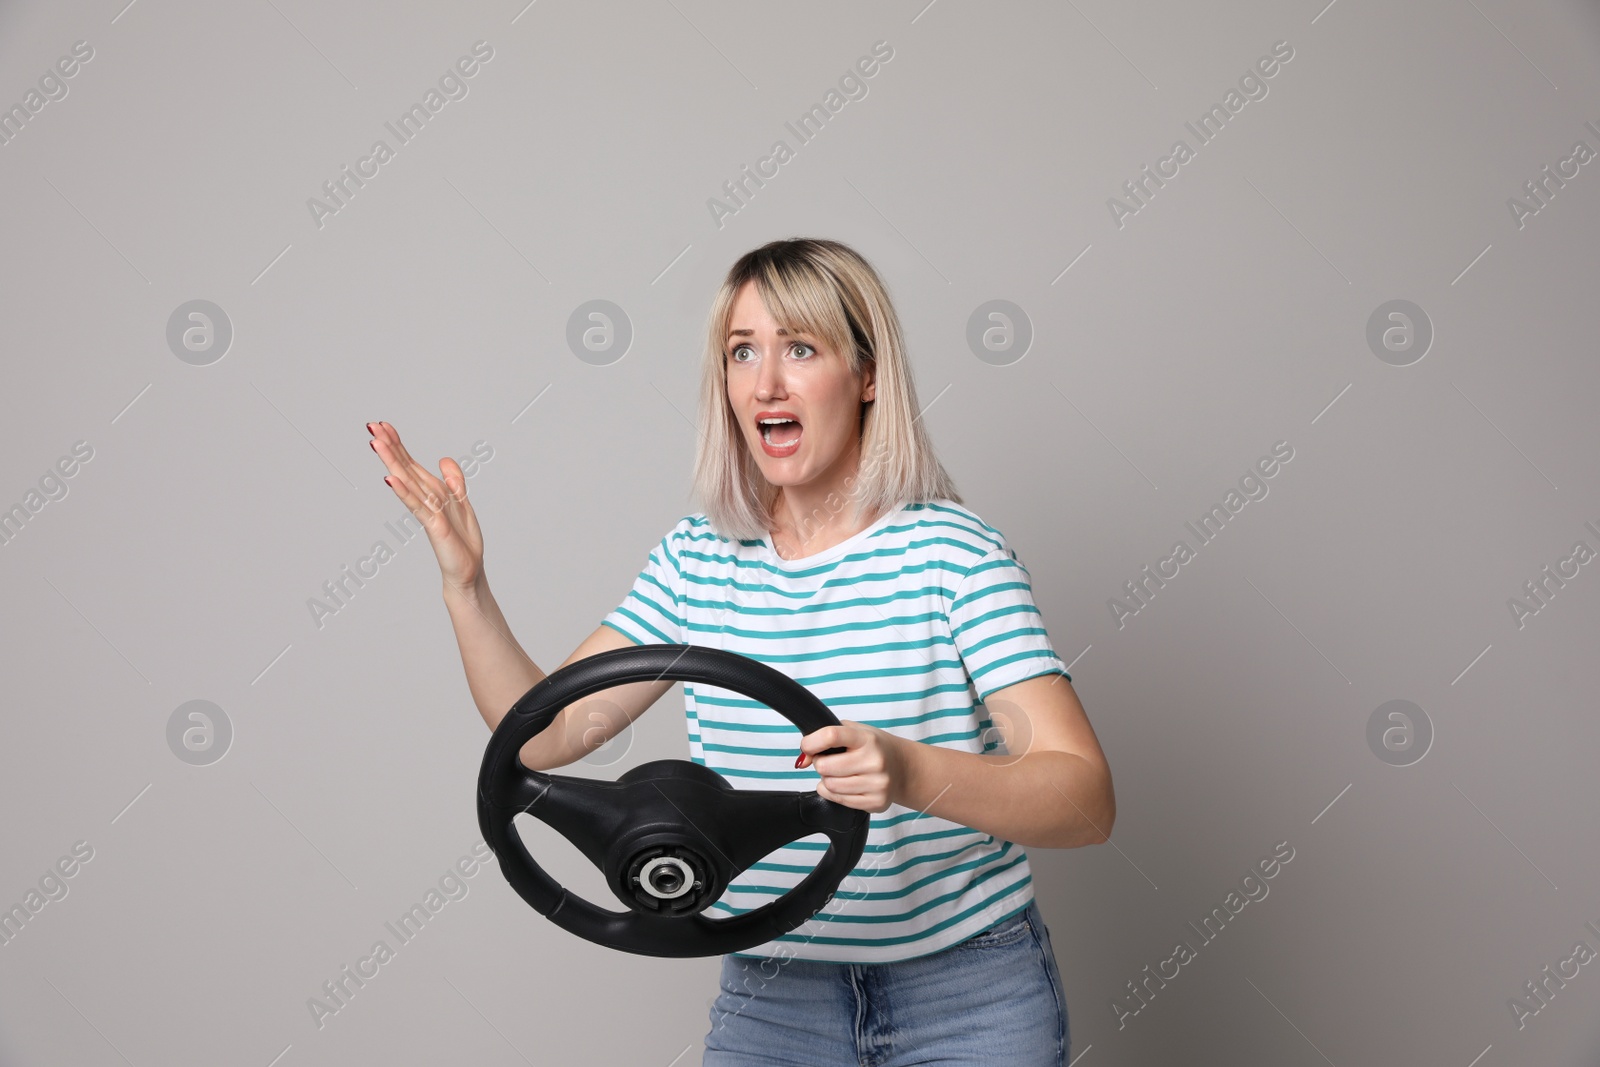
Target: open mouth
779, 432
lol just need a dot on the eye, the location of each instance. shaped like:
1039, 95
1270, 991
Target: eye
810, 351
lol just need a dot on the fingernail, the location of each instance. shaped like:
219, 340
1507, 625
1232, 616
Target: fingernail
369, 429
801, 760
386, 481
374, 445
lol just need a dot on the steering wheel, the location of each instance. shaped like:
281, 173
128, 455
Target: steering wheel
671, 834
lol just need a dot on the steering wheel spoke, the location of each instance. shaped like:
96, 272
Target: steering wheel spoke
585, 812
756, 822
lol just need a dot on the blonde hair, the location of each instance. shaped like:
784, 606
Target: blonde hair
828, 290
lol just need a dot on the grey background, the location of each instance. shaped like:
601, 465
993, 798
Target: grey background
1228, 314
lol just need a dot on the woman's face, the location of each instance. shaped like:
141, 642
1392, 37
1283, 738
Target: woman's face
774, 374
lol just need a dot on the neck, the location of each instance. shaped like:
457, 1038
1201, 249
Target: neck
807, 521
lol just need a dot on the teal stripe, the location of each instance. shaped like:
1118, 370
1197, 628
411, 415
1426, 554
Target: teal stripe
1001, 559
666, 550
787, 727
922, 935
1037, 653
896, 573
625, 613
1029, 631
928, 905
898, 671
714, 700
719, 601
837, 651
648, 627
620, 630
925, 508
882, 872
788, 752
958, 521
822, 631
997, 613
647, 577
737, 750
928, 879
994, 538
805, 845
837, 605
767, 776
717, 700
643, 602
989, 590
886, 553
879, 822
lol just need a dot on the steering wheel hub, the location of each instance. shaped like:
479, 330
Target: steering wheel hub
669, 880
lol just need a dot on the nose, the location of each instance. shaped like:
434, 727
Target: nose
769, 378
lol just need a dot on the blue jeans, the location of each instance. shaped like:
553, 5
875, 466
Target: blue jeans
994, 998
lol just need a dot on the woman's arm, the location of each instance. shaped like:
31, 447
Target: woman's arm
1052, 788
499, 672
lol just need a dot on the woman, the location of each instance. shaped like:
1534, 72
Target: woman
832, 546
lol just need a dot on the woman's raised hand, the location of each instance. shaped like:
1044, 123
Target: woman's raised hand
440, 505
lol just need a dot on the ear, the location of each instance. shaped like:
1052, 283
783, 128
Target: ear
869, 390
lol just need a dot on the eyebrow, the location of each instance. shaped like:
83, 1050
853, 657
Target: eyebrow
751, 333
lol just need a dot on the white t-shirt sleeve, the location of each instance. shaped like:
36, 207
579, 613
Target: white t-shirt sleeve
652, 612
997, 627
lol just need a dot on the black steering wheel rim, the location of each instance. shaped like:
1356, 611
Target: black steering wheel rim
669, 834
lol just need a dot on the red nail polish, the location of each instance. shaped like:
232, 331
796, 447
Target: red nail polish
386, 481
374, 445
800, 760
369, 429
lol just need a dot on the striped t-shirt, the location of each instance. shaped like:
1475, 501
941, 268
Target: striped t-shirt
907, 626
